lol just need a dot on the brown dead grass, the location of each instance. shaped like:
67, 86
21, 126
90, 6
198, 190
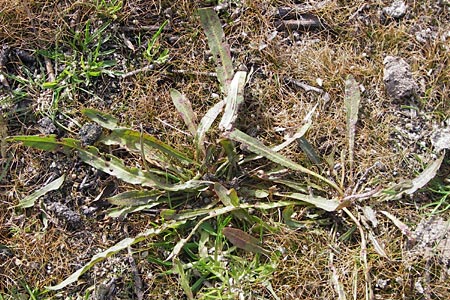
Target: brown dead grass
354, 46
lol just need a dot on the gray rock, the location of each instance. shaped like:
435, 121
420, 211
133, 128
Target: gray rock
65, 214
90, 133
398, 78
397, 9
46, 126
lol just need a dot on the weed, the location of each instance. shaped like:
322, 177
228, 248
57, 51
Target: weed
442, 193
175, 177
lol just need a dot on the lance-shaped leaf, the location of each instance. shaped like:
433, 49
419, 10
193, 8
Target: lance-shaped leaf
102, 119
184, 107
317, 201
115, 167
47, 143
244, 241
205, 124
234, 99
396, 191
135, 198
123, 244
111, 164
122, 212
218, 46
30, 200
257, 147
426, 175
352, 98
133, 140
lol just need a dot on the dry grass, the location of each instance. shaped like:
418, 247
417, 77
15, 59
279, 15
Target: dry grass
353, 43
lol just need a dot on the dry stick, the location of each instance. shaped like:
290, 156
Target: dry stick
143, 28
138, 287
173, 127
363, 195
196, 73
363, 254
302, 85
49, 68
137, 71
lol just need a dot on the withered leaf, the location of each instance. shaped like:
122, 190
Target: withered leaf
244, 241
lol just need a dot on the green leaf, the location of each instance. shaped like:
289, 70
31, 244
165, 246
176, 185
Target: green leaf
352, 98
426, 175
244, 241
115, 166
123, 244
317, 201
230, 198
30, 200
219, 48
47, 143
309, 151
205, 124
184, 279
257, 147
135, 198
50, 84
184, 107
122, 212
293, 185
234, 99
288, 211
133, 140
102, 119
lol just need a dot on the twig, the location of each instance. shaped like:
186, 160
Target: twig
49, 68
303, 86
173, 127
137, 71
363, 195
363, 254
196, 73
138, 287
144, 28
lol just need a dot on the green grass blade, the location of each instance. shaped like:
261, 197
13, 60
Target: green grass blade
30, 200
234, 99
352, 99
257, 147
184, 279
317, 201
309, 151
135, 198
184, 107
102, 119
123, 244
205, 124
219, 48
